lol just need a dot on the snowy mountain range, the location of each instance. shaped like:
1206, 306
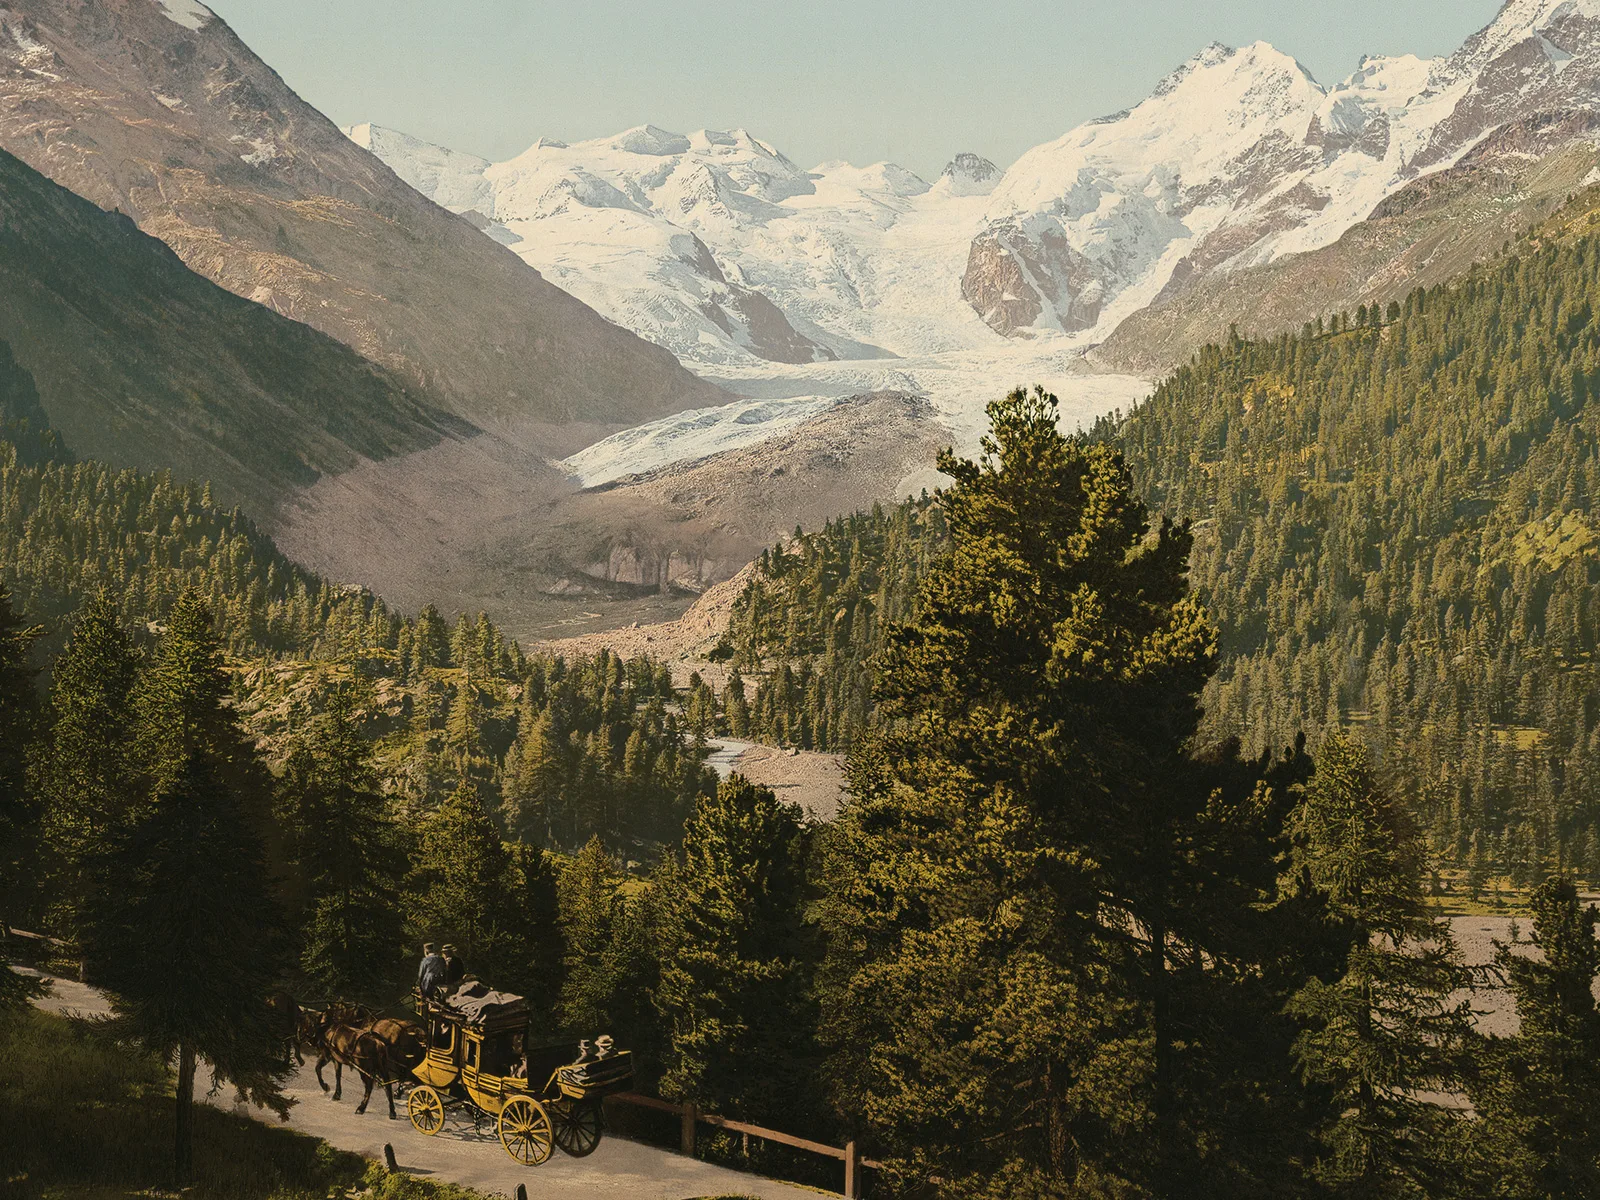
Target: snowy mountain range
776, 281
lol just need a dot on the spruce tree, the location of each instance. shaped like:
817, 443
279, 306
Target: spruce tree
344, 850
19, 726
533, 949
89, 779
190, 948
592, 919
734, 991
1385, 1033
1539, 1092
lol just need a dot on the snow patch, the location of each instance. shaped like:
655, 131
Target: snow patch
191, 14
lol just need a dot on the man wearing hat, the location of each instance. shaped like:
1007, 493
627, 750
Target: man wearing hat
431, 973
454, 967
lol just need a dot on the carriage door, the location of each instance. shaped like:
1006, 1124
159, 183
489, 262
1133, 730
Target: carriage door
484, 1089
441, 1067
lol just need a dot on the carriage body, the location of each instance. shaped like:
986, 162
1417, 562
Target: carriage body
539, 1098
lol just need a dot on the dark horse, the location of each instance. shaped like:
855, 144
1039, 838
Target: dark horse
380, 1050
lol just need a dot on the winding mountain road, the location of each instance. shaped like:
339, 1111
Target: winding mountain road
618, 1170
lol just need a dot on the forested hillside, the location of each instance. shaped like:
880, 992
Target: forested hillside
559, 751
1394, 534
142, 363
818, 611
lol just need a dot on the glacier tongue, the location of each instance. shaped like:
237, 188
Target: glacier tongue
790, 284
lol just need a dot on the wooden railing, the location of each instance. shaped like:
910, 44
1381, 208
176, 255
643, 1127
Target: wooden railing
691, 1118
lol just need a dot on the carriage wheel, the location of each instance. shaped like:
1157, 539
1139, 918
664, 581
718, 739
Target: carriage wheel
525, 1131
425, 1109
579, 1126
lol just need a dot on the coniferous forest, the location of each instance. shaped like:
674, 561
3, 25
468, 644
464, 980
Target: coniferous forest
1159, 738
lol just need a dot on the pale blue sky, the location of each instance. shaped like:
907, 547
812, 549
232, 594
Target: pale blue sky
856, 79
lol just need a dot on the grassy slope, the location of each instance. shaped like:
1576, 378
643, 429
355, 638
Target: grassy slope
85, 1117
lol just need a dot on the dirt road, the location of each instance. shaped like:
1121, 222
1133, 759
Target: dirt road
618, 1170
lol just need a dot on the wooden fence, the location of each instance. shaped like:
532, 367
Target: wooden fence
691, 1118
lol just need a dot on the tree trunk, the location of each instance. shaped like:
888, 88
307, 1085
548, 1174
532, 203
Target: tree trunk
183, 1139
1161, 1022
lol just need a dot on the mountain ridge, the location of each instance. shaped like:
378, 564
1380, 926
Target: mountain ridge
163, 113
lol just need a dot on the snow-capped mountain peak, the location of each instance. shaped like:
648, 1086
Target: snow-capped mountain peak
716, 245
969, 174
1520, 21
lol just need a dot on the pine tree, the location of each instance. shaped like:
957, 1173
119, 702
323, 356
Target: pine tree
1037, 713
456, 889
734, 990
191, 946
89, 783
1539, 1092
1385, 1032
344, 849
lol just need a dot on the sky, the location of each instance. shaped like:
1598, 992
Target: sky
913, 81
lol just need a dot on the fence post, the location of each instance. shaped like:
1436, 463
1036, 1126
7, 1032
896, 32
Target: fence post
690, 1116
852, 1171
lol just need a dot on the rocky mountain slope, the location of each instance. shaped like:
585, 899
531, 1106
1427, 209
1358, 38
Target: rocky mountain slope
139, 362
156, 108
548, 559
1427, 233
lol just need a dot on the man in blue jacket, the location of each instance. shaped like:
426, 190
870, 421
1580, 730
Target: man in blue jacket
430, 975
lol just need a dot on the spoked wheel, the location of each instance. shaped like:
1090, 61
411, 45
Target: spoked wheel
425, 1109
579, 1126
525, 1131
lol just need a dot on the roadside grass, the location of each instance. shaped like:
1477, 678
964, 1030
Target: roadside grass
86, 1117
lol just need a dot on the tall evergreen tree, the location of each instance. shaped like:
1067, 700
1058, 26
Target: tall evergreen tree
1386, 1033
89, 778
610, 958
344, 849
191, 948
1539, 1092
19, 726
736, 958
457, 884
993, 1006
532, 953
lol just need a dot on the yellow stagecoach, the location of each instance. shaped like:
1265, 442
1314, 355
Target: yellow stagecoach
479, 1063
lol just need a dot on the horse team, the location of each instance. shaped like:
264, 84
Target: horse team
379, 1049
